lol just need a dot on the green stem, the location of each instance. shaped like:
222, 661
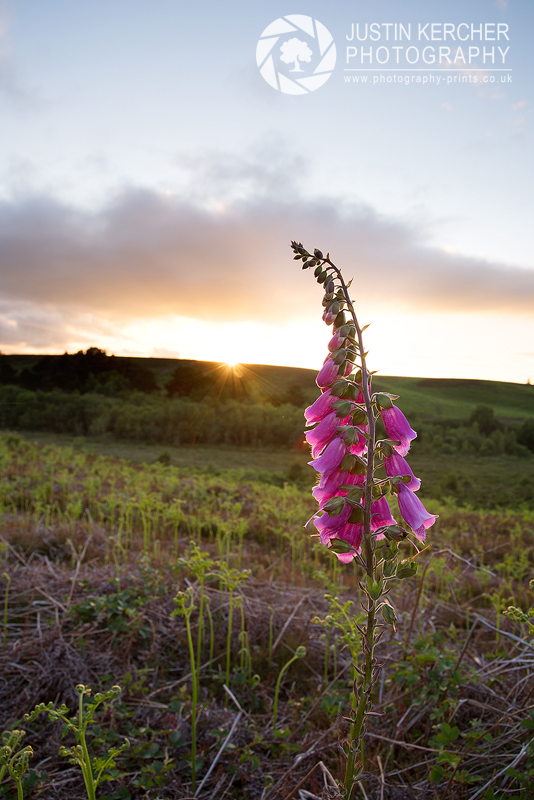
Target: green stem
229, 638
20, 793
87, 777
212, 631
194, 700
276, 691
357, 728
87, 772
200, 635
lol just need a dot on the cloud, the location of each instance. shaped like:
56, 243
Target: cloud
219, 250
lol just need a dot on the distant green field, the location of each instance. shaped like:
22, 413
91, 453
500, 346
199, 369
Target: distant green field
458, 397
426, 396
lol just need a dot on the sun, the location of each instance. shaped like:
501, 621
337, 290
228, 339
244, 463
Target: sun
232, 364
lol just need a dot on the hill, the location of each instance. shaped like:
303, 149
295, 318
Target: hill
426, 397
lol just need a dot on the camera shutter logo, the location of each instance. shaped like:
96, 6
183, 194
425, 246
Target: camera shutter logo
296, 54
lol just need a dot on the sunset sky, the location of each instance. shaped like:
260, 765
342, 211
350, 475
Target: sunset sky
151, 181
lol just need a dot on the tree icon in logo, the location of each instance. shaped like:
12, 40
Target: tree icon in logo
301, 41
295, 50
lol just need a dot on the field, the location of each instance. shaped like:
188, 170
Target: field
154, 538
98, 538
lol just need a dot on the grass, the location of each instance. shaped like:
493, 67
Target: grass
198, 456
96, 547
465, 480
475, 481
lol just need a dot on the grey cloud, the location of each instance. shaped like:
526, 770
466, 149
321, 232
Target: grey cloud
29, 327
146, 254
24, 326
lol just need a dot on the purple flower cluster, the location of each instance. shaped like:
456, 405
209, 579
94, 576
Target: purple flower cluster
340, 450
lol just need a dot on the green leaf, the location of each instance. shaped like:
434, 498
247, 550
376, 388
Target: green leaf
389, 551
394, 533
356, 515
354, 493
383, 400
339, 387
359, 467
347, 463
340, 546
335, 506
359, 417
389, 569
406, 572
342, 408
436, 774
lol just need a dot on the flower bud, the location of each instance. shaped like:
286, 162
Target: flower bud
375, 590
340, 320
340, 356
336, 341
389, 615
328, 317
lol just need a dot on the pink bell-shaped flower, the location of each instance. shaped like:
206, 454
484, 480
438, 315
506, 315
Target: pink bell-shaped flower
414, 513
398, 429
